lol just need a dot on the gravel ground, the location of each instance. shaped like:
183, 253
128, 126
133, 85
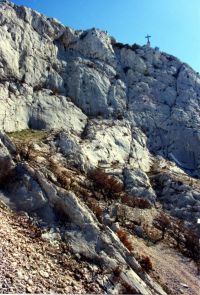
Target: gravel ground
30, 264
171, 268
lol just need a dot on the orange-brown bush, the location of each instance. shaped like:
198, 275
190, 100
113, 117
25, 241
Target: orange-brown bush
123, 236
98, 211
106, 181
136, 202
146, 263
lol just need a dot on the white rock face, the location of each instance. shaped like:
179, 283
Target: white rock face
137, 184
117, 107
107, 142
53, 77
40, 110
42, 62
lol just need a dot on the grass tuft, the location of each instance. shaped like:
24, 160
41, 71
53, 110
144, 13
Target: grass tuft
28, 136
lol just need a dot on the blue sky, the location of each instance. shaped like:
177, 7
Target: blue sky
173, 24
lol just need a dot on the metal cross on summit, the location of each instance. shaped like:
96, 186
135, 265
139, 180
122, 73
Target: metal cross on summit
148, 41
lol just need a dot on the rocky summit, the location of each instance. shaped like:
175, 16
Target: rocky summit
99, 162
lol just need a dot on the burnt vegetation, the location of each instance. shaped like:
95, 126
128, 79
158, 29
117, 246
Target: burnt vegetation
108, 184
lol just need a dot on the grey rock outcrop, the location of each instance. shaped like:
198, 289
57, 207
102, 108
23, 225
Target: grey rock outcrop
145, 101
118, 107
40, 58
87, 237
137, 184
179, 194
26, 193
6, 161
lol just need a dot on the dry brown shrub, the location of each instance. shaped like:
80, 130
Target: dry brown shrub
61, 173
98, 211
123, 236
106, 181
146, 263
136, 202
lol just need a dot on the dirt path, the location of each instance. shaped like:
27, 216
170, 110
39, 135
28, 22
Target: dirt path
174, 270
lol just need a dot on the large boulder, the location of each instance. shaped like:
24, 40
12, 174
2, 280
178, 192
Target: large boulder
25, 192
137, 184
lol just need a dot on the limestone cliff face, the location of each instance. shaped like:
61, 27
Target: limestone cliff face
132, 111
52, 76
